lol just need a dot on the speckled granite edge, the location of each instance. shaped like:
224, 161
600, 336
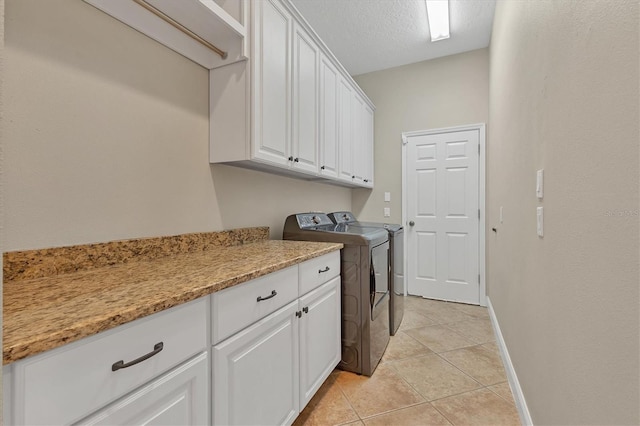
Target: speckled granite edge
40, 263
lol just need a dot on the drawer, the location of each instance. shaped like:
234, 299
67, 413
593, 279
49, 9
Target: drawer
314, 272
237, 307
68, 383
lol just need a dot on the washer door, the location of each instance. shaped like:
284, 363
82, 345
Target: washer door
379, 280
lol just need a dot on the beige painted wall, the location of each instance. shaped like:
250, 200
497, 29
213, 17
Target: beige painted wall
564, 97
445, 92
106, 138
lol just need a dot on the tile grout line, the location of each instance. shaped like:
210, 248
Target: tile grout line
427, 401
444, 415
362, 419
348, 402
458, 368
500, 396
393, 410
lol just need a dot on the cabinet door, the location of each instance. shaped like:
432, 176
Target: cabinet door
367, 146
256, 372
320, 327
328, 143
357, 132
305, 101
345, 141
179, 397
271, 91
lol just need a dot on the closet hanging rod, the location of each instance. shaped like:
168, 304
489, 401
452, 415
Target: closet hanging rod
181, 27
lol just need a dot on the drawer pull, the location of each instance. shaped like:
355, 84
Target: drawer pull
305, 309
121, 364
273, 294
320, 271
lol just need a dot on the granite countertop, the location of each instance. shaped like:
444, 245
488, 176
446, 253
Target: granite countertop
47, 312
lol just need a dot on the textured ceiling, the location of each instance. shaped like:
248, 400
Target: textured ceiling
370, 35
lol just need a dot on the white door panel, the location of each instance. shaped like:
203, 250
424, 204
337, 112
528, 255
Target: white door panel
443, 202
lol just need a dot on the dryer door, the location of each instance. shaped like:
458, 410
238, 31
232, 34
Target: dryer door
379, 280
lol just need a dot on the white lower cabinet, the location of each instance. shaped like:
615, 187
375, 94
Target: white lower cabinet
179, 397
320, 327
255, 372
268, 372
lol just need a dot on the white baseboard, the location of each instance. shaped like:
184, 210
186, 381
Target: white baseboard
516, 390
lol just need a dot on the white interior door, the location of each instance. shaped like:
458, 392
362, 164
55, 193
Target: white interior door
443, 215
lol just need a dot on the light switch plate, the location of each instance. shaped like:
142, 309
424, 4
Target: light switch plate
387, 197
387, 212
540, 183
540, 221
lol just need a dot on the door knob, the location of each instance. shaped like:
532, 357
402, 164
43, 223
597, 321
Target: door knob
411, 223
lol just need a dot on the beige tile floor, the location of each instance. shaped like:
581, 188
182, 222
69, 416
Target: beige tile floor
441, 368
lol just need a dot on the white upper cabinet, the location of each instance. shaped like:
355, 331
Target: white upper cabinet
367, 146
320, 336
256, 372
345, 137
357, 138
210, 33
306, 55
271, 67
328, 135
288, 110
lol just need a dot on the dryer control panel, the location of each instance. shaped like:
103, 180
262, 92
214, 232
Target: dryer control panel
342, 217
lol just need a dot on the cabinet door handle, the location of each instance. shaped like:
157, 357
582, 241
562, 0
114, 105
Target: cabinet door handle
366, 180
290, 158
322, 168
305, 309
321, 271
121, 364
295, 160
273, 294
299, 314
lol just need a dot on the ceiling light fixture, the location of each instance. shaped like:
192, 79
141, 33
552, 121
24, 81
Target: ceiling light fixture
438, 16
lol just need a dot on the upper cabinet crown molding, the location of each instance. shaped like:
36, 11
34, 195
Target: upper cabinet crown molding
208, 33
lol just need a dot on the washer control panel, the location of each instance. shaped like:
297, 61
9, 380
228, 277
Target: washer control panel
311, 220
